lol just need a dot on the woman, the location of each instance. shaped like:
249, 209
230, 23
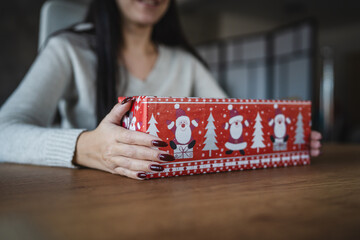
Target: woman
125, 47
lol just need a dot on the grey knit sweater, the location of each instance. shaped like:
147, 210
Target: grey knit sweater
63, 77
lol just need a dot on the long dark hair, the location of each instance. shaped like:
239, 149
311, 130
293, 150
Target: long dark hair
106, 19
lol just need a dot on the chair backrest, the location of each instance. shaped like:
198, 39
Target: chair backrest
56, 15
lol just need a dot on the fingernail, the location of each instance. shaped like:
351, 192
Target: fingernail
157, 168
141, 175
126, 100
158, 143
166, 157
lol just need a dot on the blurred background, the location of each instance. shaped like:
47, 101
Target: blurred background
286, 49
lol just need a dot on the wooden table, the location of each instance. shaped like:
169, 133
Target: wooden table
320, 201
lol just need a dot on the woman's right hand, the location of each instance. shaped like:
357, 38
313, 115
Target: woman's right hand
117, 150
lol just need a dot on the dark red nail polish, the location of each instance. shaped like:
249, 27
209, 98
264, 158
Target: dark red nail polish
158, 143
157, 168
141, 175
166, 157
126, 100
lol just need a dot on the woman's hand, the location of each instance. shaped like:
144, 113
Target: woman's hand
117, 150
315, 144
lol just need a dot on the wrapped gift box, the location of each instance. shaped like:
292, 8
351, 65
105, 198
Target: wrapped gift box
216, 135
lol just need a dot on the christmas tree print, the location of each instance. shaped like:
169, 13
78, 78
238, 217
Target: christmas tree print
152, 130
258, 139
299, 133
210, 141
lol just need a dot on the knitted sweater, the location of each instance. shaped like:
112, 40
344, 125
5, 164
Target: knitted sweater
63, 77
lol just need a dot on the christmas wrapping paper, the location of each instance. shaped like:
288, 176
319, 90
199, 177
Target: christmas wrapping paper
216, 135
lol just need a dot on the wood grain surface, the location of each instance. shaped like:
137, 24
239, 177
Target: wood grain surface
320, 201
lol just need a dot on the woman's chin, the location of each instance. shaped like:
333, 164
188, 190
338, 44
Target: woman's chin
148, 13
143, 12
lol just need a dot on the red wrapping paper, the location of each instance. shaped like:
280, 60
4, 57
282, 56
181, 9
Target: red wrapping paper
216, 135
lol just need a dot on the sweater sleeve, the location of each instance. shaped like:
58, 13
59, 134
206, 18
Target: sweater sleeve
25, 135
204, 84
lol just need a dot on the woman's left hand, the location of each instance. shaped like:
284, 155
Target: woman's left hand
315, 144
